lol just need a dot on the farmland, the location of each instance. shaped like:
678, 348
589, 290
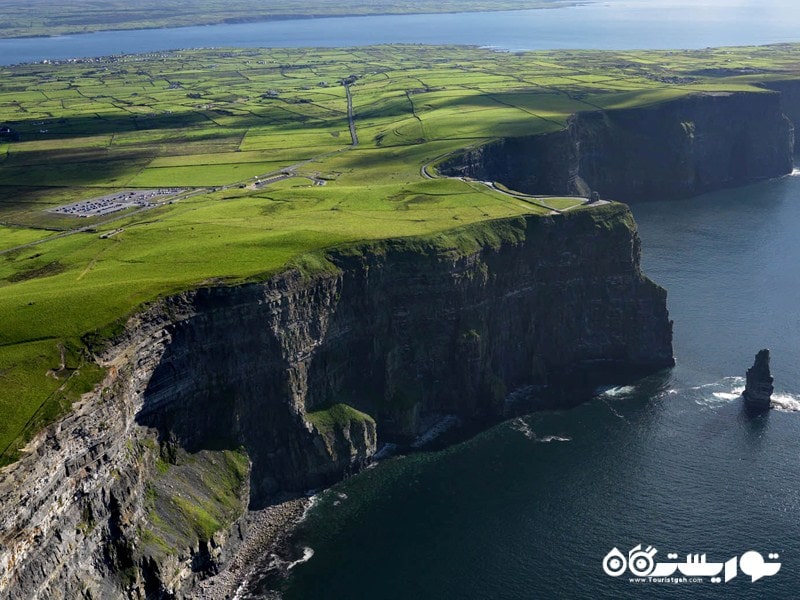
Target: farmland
218, 123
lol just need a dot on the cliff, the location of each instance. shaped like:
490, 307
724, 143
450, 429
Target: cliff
675, 149
220, 399
790, 103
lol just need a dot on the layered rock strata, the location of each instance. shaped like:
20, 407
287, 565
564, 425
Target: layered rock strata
251, 392
675, 149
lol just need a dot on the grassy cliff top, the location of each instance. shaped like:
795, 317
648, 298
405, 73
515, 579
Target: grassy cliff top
213, 121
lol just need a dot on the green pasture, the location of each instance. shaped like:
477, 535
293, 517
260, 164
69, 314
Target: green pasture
201, 174
16, 236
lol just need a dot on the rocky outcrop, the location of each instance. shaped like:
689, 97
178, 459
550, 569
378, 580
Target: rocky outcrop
758, 388
675, 149
293, 382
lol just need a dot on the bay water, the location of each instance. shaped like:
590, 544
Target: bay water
603, 24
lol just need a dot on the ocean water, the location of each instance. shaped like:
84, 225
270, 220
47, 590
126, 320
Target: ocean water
601, 24
530, 508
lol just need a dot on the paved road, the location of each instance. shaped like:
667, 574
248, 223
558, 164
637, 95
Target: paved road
532, 199
350, 116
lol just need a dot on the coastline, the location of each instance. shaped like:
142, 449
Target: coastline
299, 17
270, 526
266, 530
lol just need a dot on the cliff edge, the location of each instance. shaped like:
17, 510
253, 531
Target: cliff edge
246, 393
676, 149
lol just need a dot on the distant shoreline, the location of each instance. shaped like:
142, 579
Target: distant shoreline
289, 17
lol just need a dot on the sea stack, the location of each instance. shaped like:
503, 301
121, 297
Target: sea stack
758, 389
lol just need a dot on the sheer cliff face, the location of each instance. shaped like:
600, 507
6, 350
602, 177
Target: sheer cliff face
402, 333
675, 149
790, 103
406, 335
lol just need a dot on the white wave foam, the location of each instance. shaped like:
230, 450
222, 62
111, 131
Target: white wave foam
307, 554
522, 426
732, 388
704, 386
312, 501
553, 438
726, 396
613, 392
735, 382
728, 389
785, 403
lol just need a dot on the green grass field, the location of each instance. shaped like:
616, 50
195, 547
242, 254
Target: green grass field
216, 120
